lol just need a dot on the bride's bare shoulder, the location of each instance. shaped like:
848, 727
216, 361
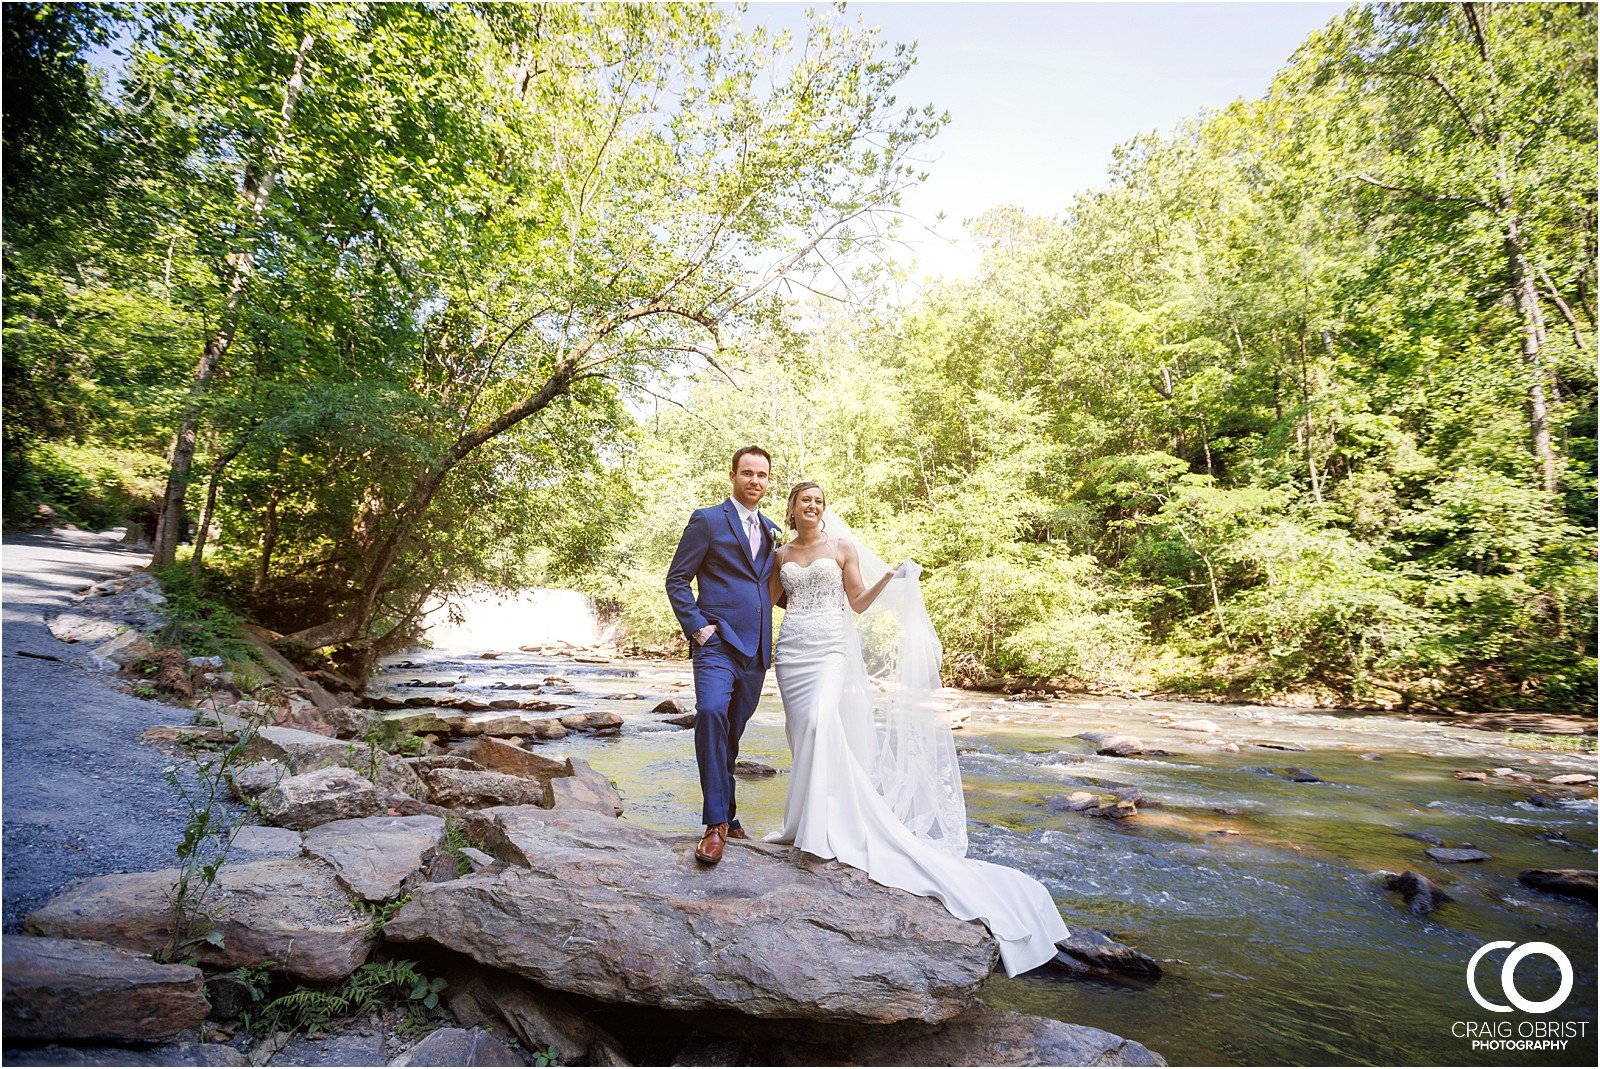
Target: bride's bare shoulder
844, 550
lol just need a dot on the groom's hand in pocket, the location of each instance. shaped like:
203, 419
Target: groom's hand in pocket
702, 636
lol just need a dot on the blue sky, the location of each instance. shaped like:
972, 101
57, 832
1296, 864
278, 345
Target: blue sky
1040, 93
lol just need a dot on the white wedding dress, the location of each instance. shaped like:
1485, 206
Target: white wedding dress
834, 810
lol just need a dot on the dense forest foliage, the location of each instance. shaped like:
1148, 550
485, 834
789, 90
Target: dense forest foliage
407, 299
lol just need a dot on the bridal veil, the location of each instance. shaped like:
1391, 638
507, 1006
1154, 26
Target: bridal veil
892, 656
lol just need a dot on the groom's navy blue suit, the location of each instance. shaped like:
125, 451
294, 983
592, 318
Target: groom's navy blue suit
730, 667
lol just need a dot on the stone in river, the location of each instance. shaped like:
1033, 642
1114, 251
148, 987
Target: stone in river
602, 908
684, 721
1087, 952
672, 706
1421, 896
1571, 779
1421, 837
597, 722
75, 990
1205, 726
1294, 746
1108, 744
1571, 883
753, 768
1456, 855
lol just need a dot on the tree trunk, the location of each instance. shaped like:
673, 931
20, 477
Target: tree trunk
257, 187
1527, 298
269, 541
1310, 426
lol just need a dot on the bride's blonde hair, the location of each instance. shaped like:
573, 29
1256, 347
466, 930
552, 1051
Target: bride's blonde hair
799, 488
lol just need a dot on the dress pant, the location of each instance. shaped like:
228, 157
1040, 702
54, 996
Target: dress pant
727, 685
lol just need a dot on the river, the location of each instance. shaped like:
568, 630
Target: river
1256, 892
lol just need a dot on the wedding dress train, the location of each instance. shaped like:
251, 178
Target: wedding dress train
834, 810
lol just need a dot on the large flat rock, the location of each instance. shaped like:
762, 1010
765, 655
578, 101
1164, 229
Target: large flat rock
377, 858
288, 911
594, 906
75, 990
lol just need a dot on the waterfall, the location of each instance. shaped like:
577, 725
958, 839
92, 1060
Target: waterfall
491, 621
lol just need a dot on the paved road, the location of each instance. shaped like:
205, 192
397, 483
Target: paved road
82, 796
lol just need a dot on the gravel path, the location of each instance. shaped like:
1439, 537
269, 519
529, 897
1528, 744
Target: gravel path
82, 796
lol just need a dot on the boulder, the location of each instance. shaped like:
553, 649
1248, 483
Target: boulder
306, 751
1571, 779
1110, 744
497, 756
75, 990
1473, 777
1076, 801
314, 798
289, 911
596, 722
126, 648
684, 721
456, 788
377, 858
544, 730
256, 778
77, 627
1571, 883
584, 788
979, 1036
459, 1046
1420, 895
1087, 952
671, 707
539, 1019
345, 721
299, 750
253, 841
598, 907
1456, 855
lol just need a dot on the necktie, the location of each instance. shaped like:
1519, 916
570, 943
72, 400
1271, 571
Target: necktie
755, 536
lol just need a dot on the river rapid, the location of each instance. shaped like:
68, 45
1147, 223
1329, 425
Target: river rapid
1257, 893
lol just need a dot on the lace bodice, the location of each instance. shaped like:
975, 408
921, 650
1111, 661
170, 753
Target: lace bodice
813, 587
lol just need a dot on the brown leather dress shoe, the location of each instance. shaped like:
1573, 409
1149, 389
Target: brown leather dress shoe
736, 833
710, 849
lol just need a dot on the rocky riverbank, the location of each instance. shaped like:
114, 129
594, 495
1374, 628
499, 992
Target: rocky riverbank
453, 847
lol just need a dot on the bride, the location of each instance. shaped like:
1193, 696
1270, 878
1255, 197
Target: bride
883, 798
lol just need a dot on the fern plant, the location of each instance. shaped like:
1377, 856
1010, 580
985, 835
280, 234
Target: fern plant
372, 987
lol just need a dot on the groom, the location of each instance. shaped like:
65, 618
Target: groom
727, 550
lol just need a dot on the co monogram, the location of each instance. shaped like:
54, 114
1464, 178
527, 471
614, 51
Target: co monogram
1508, 977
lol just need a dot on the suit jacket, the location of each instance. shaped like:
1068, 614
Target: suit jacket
732, 585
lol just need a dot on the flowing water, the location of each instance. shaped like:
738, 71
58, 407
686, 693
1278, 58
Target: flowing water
1257, 893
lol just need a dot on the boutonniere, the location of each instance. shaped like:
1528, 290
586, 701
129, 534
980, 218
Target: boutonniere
779, 536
